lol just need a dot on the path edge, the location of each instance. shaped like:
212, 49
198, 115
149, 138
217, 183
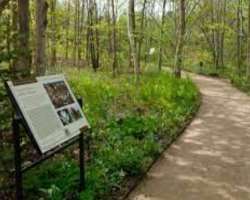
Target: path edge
180, 132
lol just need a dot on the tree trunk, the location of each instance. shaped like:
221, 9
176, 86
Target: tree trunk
114, 63
67, 32
15, 34
141, 36
181, 39
161, 36
239, 42
41, 24
132, 37
93, 35
53, 36
24, 55
248, 45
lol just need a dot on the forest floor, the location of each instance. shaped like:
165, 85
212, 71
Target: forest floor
211, 160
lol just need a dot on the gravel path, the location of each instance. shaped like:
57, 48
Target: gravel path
211, 160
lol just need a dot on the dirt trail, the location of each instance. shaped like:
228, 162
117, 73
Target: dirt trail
211, 160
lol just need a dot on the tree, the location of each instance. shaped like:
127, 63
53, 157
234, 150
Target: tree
239, 37
67, 27
53, 33
141, 35
24, 54
181, 39
41, 24
248, 44
132, 37
93, 35
161, 34
114, 49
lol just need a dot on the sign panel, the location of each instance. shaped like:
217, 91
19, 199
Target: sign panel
50, 109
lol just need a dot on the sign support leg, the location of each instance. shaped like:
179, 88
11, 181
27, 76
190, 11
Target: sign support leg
18, 167
81, 160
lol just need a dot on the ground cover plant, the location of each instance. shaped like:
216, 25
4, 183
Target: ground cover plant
131, 125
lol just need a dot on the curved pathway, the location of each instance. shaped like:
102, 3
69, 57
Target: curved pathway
211, 160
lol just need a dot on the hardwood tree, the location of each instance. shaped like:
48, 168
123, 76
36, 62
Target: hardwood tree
181, 39
248, 45
239, 31
93, 35
114, 41
161, 34
132, 37
41, 25
23, 64
53, 33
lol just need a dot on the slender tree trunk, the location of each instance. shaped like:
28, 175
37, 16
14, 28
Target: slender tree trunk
8, 39
80, 34
248, 45
97, 42
181, 39
76, 27
93, 35
141, 36
161, 36
67, 32
15, 33
24, 54
114, 63
53, 36
41, 24
132, 37
239, 53
109, 25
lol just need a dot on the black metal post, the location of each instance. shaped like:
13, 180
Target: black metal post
81, 160
17, 151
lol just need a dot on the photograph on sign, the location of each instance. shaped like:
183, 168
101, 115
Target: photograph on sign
59, 94
50, 109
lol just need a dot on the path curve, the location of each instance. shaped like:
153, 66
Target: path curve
211, 160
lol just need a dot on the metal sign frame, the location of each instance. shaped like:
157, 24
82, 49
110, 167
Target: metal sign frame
18, 120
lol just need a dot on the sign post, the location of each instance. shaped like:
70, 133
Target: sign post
69, 126
17, 151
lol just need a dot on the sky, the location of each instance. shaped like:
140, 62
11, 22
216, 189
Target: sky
122, 5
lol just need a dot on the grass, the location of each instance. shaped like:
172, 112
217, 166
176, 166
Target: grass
130, 126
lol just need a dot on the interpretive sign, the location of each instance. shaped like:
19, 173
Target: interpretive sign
50, 110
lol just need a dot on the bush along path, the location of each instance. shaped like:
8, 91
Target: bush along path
132, 124
211, 159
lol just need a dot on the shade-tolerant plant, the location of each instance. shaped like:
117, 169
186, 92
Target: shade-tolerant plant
131, 124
